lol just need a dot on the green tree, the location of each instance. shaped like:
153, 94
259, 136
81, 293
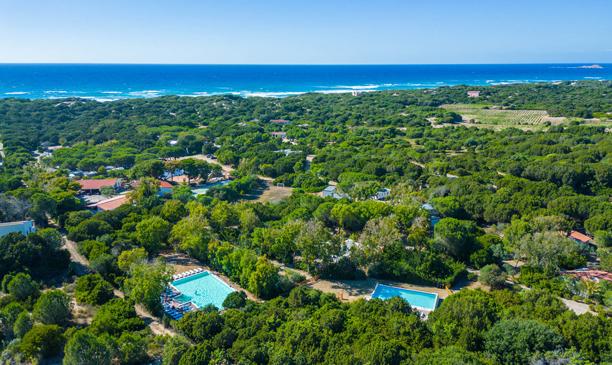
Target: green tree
264, 281
152, 233
93, 289
235, 300
23, 324
53, 307
493, 276
42, 340
147, 282
22, 287
132, 348
115, 317
456, 236
462, 319
127, 258
518, 341
83, 348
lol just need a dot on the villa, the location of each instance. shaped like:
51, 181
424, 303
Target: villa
580, 238
473, 94
23, 227
109, 204
332, 192
94, 186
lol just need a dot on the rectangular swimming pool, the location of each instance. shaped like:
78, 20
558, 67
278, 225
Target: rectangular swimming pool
202, 289
417, 299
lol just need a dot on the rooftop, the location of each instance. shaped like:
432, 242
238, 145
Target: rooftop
580, 237
111, 204
96, 184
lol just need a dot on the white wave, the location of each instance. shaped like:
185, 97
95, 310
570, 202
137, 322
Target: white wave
361, 87
56, 92
146, 93
17, 93
593, 77
111, 92
270, 94
96, 98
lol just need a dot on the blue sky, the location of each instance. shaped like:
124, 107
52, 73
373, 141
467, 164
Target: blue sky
306, 31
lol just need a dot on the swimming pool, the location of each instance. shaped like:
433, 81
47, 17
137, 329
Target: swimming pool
202, 289
203, 189
417, 299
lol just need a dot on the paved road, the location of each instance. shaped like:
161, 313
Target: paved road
82, 268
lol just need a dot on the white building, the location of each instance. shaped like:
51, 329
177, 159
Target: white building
382, 194
23, 227
332, 192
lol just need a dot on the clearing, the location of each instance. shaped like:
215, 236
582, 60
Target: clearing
485, 116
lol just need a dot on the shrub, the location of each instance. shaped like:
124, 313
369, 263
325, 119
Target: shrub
93, 289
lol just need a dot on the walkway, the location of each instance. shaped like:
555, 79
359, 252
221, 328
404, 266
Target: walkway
82, 268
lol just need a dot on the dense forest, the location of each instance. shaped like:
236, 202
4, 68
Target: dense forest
490, 208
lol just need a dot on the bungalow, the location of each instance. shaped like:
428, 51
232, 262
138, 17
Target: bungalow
581, 238
94, 186
279, 121
109, 204
23, 227
382, 194
473, 94
281, 135
332, 192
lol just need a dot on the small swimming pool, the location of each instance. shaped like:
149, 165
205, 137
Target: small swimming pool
417, 299
202, 289
203, 189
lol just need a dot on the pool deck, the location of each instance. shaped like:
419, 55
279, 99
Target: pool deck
351, 290
181, 263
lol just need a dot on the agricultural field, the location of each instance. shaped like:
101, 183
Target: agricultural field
486, 116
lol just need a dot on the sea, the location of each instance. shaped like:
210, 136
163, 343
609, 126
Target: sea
107, 82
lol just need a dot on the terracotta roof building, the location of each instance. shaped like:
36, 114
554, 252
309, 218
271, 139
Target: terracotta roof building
580, 237
93, 186
110, 204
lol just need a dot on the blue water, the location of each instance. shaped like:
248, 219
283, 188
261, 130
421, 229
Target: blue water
109, 82
415, 298
203, 189
202, 289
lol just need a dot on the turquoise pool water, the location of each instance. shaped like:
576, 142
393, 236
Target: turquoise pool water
417, 299
202, 289
203, 189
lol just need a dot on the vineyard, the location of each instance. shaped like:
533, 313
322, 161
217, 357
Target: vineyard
489, 117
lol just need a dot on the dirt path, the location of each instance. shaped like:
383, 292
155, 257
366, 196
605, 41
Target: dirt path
82, 268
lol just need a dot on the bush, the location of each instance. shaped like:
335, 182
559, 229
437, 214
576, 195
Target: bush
22, 287
518, 341
493, 276
93, 289
53, 307
235, 300
42, 340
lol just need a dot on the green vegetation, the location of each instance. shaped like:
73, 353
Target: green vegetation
498, 197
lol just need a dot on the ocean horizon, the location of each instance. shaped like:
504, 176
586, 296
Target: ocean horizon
107, 82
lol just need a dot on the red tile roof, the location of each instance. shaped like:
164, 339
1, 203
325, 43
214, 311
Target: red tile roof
590, 274
162, 184
165, 184
96, 184
110, 204
580, 237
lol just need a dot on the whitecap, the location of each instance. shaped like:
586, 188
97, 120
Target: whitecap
17, 93
110, 92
